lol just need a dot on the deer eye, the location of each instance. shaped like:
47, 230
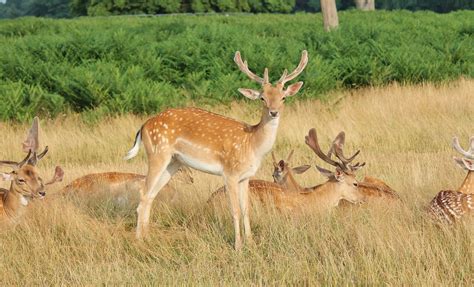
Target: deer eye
262, 99
283, 99
355, 184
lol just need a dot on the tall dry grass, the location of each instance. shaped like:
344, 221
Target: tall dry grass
404, 134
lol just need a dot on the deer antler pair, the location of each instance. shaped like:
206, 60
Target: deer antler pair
243, 66
337, 148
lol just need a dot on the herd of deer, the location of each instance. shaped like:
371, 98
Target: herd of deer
189, 137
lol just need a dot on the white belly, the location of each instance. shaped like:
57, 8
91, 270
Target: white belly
199, 164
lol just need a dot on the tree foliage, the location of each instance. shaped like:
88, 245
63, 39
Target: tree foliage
107, 66
67, 8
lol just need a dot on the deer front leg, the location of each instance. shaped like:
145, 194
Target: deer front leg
232, 186
244, 207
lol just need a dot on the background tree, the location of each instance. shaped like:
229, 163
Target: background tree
366, 5
329, 10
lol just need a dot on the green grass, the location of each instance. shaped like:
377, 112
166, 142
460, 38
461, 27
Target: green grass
118, 65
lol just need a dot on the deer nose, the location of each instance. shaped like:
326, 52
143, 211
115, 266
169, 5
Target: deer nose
42, 193
274, 114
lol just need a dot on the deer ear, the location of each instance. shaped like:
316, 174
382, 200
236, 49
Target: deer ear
325, 172
249, 93
464, 163
301, 169
469, 164
293, 89
6, 176
339, 175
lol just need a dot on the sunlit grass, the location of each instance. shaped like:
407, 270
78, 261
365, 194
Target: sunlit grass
404, 134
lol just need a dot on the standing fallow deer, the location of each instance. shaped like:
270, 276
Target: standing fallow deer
26, 183
121, 185
449, 206
341, 183
214, 144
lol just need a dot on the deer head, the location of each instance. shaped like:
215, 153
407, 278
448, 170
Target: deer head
344, 174
272, 96
25, 179
467, 161
282, 169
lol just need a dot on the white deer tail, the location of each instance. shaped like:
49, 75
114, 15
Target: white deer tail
136, 146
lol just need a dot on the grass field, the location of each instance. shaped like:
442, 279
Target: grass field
404, 134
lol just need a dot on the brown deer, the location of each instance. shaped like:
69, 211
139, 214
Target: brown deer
121, 185
283, 173
26, 183
341, 183
371, 187
449, 206
214, 144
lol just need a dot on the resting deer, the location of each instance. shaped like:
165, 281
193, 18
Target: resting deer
370, 187
449, 206
283, 173
26, 183
341, 183
214, 144
121, 184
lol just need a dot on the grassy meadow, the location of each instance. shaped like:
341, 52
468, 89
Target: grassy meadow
404, 133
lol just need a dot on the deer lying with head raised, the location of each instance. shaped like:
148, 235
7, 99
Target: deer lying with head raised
370, 187
284, 174
341, 183
214, 144
122, 185
449, 206
26, 183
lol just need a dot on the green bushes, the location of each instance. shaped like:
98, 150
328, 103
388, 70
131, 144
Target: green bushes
142, 65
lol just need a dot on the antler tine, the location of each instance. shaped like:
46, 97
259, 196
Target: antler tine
290, 155
283, 76
468, 154
36, 157
341, 157
25, 160
339, 140
312, 141
298, 70
245, 69
14, 164
31, 141
338, 146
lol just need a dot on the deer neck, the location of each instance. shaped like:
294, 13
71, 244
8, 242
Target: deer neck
264, 134
13, 203
327, 194
290, 183
468, 183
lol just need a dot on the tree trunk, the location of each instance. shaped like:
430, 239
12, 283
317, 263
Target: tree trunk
329, 10
365, 5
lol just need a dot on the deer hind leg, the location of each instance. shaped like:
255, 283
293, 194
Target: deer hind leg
160, 172
244, 207
232, 187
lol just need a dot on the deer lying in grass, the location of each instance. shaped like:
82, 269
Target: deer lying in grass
341, 183
122, 185
214, 144
370, 187
26, 183
449, 206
